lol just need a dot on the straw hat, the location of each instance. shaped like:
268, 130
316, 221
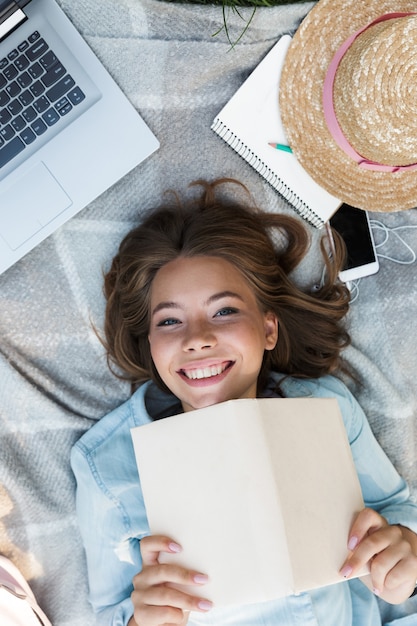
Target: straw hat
348, 100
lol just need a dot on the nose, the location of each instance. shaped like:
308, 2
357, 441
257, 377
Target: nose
199, 336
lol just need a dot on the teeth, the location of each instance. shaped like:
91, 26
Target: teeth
206, 372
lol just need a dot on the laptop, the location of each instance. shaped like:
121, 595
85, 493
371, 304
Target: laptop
67, 132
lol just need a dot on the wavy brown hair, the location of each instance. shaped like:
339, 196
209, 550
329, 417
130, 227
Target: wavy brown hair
311, 330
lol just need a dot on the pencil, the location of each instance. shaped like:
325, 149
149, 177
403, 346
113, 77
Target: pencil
280, 146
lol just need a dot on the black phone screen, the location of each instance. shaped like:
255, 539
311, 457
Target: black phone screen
352, 224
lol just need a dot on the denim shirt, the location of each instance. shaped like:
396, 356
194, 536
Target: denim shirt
112, 516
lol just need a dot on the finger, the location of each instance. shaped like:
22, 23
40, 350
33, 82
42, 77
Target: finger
168, 573
366, 522
164, 605
395, 565
151, 546
382, 550
398, 583
165, 595
367, 549
403, 572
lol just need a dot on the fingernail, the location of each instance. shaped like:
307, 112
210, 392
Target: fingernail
174, 547
353, 542
205, 605
200, 579
346, 571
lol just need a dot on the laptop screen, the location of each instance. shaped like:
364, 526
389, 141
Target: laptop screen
11, 15
9, 6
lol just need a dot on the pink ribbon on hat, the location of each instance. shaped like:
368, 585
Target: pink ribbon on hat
328, 106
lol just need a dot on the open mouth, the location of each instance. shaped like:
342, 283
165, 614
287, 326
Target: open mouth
201, 373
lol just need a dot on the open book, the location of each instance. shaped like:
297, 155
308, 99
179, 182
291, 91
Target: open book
251, 120
261, 494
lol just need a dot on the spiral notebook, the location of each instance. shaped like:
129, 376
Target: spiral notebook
251, 120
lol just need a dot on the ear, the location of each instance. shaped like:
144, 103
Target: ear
271, 330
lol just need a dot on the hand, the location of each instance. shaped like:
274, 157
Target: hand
390, 552
155, 601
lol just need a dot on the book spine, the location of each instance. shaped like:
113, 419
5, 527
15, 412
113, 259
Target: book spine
271, 177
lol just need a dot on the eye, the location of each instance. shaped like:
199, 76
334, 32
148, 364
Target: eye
227, 310
170, 321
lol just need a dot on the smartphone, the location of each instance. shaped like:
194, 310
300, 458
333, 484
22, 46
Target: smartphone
353, 225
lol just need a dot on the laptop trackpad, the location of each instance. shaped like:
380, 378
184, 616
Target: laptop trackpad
31, 202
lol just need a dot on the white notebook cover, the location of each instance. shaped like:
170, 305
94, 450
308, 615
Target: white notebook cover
251, 120
261, 494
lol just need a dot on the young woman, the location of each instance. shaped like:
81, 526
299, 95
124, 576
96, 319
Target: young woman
201, 309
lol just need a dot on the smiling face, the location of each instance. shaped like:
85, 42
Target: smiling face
207, 333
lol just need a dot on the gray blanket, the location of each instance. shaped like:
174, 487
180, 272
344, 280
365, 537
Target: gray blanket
54, 379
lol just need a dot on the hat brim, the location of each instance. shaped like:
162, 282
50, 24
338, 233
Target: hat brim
322, 32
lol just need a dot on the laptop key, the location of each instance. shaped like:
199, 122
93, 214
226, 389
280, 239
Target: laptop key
34, 36
48, 60
24, 80
4, 98
36, 70
18, 123
54, 74
13, 89
15, 107
26, 98
13, 54
37, 88
10, 150
51, 117
5, 116
28, 136
23, 46
76, 95
7, 132
38, 126
60, 88
10, 72
29, 114
41, 104
63, 106
21, 62
37, 50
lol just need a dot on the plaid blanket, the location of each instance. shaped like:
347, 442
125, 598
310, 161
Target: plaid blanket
54, 380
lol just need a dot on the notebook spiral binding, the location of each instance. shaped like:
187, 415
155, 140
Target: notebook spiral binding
263, 170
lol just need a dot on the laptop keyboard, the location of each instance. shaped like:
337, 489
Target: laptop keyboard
36, 92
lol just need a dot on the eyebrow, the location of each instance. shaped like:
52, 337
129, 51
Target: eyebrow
214, 298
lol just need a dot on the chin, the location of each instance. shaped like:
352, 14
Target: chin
201, 403
193, 404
